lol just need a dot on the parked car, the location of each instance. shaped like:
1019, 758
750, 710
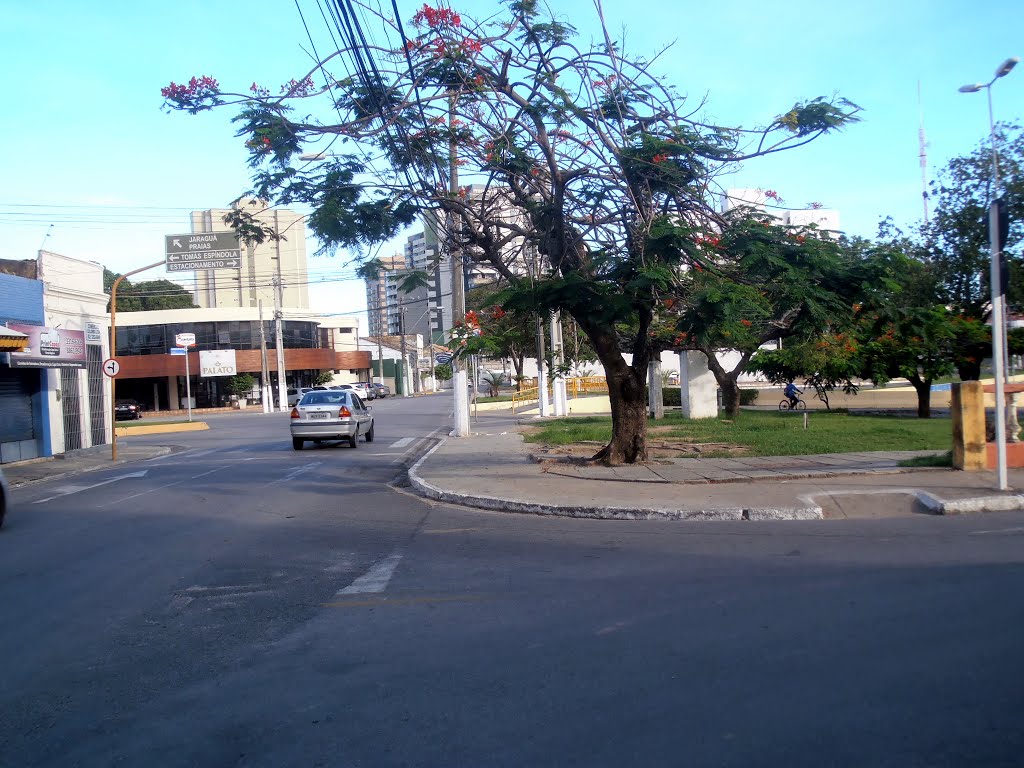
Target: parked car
4, 495
294, 395
330, 415
382, 390
365, 390
128, 409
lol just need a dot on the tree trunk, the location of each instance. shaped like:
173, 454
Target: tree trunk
628, 399
629, 419
730, 396
924, 396
728, 382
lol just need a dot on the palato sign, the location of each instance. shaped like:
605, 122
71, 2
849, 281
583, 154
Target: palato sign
217, 362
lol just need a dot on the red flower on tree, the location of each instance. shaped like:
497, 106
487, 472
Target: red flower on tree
436, 18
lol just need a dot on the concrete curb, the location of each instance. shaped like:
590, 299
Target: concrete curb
1009, 503
810, 512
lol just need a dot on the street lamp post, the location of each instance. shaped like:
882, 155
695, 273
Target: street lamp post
995, 278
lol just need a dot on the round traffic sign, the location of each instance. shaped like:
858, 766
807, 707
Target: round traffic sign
111, 367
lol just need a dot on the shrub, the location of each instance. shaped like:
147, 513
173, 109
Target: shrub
241, 385
748, 396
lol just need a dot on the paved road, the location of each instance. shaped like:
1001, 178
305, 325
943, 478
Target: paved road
245, 604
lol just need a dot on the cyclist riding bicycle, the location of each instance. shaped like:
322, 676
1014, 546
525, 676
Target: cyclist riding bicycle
793, 394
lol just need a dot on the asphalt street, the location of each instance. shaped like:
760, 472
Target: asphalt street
239, 603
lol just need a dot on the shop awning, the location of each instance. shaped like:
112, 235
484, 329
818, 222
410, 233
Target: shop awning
12, 341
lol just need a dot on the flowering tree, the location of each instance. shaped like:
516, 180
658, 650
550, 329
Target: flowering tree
592, 176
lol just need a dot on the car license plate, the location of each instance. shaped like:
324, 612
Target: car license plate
319, 415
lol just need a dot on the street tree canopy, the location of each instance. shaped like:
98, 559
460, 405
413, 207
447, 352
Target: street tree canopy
593, 177
146, 295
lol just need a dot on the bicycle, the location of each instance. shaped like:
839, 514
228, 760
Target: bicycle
785, 405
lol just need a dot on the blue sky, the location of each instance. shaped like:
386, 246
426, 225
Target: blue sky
90, 151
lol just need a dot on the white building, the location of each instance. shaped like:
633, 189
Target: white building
825, 219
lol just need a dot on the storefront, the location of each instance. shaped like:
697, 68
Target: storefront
154, 376
22, 433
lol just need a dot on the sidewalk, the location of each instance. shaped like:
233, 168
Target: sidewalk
495, 469
76, 462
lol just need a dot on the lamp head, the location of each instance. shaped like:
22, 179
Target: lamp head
314, 156
971, 88
1006, 66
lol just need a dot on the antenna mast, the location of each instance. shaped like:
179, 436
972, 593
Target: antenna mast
922, 152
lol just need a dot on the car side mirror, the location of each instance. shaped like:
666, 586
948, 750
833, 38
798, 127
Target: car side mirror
369, 407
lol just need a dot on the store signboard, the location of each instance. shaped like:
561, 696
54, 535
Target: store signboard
217, 362
93, 334
49, 348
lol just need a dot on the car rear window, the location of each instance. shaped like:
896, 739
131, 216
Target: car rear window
323, 398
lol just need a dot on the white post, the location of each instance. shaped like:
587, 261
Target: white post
655, 401
556, 357
460, 382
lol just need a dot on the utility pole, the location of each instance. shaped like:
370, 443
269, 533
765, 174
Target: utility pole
459, 381
405, 358
282, 385
265, 395
430, 348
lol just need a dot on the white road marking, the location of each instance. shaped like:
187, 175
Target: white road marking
440, 531
376, 579
70, 489
996, 530
296, 472
402, 443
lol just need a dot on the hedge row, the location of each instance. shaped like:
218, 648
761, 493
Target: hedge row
670, 396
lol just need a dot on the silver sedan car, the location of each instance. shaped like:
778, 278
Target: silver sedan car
330, 414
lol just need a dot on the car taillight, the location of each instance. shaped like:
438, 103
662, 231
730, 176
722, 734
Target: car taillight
344, 412
295, 413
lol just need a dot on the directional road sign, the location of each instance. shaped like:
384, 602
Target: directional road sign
111, 367
178, 351
202, 250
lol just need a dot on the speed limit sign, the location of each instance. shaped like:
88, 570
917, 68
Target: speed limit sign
111, 367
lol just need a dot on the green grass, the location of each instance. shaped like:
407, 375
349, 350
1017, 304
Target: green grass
767, 433
940, 460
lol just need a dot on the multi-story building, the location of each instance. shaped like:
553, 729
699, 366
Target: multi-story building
264, 267
377, 294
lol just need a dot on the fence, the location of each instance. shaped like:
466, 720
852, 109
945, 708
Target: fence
574, 387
